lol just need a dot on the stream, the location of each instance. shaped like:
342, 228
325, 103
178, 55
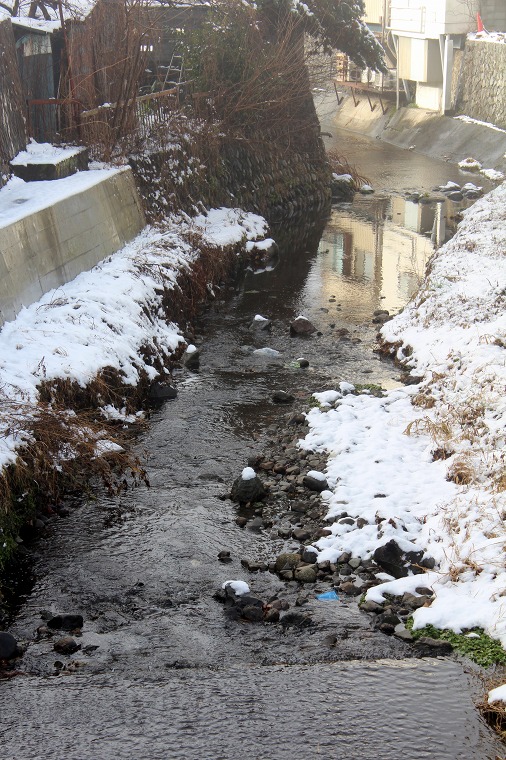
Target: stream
163, 672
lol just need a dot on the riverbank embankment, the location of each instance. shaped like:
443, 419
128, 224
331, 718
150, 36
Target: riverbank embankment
427, 132
81, 362
433, 451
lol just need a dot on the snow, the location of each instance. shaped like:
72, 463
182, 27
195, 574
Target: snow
484, 36
222, 227
248, 474
469, 120
19, 199
470, 164
103, 317
37, 24
492, 174
44, 153
383, 463
260, 245
316, 475
497, 695
449, 186
239, 587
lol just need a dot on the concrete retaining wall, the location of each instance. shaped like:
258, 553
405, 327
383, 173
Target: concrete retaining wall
50, 247
482, 82
441, 137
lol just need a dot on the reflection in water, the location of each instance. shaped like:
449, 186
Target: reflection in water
374, 252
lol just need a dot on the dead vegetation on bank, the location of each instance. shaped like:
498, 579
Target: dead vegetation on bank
65, 442
340, 165
494, 713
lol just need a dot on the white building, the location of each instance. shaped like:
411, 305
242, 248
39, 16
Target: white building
425, 34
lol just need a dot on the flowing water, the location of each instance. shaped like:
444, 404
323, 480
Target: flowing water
162, 671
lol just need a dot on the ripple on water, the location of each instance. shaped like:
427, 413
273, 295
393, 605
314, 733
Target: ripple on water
376, 711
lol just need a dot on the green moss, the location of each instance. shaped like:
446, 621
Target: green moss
481, 649
374, 390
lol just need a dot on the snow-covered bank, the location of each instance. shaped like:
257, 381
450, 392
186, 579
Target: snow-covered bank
111, 316
425, 464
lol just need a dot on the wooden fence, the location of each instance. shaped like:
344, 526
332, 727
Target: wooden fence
64, 120
12, 127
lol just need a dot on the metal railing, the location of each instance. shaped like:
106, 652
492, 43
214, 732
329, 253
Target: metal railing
65, 120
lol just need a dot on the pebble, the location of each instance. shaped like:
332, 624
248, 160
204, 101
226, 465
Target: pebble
66, 645
401, 632
271, 615
437, 646
305, 574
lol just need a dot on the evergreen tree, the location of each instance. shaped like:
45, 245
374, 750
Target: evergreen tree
335, 24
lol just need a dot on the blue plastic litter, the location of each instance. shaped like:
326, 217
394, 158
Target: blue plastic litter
328, 596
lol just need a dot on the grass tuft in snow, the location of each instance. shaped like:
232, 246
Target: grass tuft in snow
372, 388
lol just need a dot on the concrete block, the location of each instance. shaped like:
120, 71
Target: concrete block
49, 248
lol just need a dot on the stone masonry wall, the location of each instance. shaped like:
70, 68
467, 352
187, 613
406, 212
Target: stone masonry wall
482, 82
263, 177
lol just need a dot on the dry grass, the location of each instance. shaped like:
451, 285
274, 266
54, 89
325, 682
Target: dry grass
494, 714
462, 470
440, 432
58, 452
424, 400
340, 165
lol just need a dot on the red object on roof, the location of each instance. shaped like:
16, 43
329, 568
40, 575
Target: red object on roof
479, 23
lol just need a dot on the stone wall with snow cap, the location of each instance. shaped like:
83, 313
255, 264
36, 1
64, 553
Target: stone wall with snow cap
481, 81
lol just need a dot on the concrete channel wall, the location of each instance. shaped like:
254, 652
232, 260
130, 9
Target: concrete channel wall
49, 247
427, 132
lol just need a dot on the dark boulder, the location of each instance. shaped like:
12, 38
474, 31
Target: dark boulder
247, 489
191, 359
66, 622
315, 483
394, 561
282, 397
302, 326
161, 391
8, 645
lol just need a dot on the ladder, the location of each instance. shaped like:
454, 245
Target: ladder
174, 75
